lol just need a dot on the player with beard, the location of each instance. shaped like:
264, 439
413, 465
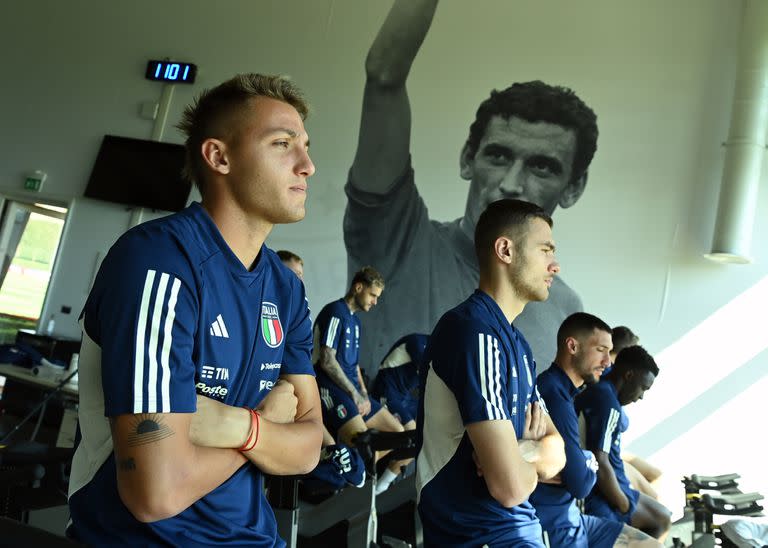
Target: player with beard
583, 353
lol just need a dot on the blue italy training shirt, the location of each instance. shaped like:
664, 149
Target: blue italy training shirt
338, 328
605, 421
556, 504
479, 368
174, 313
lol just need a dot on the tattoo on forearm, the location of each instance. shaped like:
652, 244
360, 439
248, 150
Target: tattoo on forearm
127, 465
148, 428
333, 370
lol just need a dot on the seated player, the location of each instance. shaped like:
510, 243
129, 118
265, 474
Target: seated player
339, 465
583, 346
397, 382
347, 408
642, 475
485, 439
600, 404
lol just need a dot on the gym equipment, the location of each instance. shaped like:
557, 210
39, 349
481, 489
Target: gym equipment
724, 498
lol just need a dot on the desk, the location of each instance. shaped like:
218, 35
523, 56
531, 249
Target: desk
24, 374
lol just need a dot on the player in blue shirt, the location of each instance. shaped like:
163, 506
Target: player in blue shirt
397, 382
583, 353
642, 475
339, 465
485, 439
347, 408
601, 405
191, 324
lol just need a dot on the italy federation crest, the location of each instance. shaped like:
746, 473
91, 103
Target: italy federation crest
271, 328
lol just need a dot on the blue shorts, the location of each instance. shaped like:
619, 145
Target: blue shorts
338, 406
404, 409
595, 505
592, 532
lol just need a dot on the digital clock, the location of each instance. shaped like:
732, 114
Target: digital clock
171, 71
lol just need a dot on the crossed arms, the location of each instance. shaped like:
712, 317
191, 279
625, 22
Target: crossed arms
167, 461
512, 469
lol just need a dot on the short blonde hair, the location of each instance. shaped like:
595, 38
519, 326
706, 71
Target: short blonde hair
208, 114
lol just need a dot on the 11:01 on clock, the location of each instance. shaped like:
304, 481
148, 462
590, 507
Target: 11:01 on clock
171, 71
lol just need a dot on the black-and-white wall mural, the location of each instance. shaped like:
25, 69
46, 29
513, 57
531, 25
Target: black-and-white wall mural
532, 141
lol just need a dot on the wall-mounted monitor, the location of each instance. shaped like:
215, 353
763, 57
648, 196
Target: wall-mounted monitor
140, 173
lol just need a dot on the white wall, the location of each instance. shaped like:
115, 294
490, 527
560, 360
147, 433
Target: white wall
659, 75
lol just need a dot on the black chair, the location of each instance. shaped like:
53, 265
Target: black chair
33, 476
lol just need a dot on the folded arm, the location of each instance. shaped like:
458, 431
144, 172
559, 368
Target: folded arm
286, 445
160, 472
542, 443
509, 477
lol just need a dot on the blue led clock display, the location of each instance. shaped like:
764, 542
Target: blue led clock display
171, 71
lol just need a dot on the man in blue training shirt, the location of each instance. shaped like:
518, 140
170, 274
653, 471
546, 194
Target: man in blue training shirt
600, 404
485, 440
347, 408
583, 353
397, 382
339, 465
192, 323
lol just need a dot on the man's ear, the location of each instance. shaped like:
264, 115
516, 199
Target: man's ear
573, 191
466, 163
504, 249
358, 288
215, 155
571, 344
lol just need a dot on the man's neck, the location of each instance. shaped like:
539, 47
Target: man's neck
564, 363
351, 303
243, 234
504, 295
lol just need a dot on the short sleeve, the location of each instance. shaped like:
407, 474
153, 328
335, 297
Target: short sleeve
469, 359
297, 357
330, 326
142, 313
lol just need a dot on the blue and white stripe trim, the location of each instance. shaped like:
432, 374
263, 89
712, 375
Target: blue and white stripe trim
154, 337
489, 369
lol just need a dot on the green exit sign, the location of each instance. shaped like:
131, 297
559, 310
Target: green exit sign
33, 184
34, 181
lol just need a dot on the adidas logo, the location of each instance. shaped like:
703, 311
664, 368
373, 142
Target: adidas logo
218, 329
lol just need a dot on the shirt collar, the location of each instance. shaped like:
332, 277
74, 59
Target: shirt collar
566, 381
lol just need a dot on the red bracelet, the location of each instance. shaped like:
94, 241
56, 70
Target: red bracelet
253, 436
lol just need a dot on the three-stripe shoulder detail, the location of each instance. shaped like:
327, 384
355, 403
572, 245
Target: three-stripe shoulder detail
154, 339
489, 371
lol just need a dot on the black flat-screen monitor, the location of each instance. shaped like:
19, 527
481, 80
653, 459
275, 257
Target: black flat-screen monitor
139, 173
